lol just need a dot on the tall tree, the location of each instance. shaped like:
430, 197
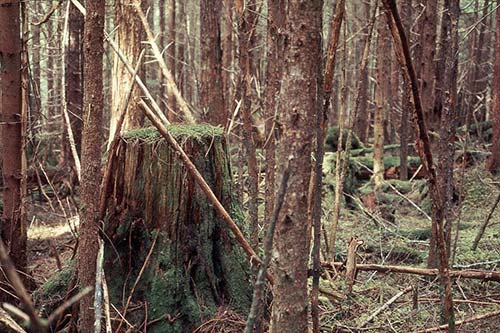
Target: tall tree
93, 49
13, 227
275, 24
74, 79
128, 38
381, 97
211, 95
494, 162
299, 101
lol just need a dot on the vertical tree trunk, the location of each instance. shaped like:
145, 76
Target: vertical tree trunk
128, 38
227, 57
211, 94
275, 25
494, 162
93, 48
13, 228
74, 91
246, 32
171, 54
299, 102
381, 96
405, 104
427, 64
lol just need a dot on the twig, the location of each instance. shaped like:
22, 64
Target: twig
66, 305
460, 322
385, 306
268, 246
106, 303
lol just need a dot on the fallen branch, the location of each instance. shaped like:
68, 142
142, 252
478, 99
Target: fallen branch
464, 274
485, 224
460, 322
385, 306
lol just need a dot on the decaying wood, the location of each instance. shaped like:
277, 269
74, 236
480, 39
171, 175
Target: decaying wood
113, 145
464, 274
481, 230
204, 186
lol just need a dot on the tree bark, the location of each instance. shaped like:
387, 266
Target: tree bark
91, 156
74, 81
13, 227
494, 162
275, 25
299, 100
211, 94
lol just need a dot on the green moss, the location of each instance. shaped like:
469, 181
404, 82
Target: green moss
332, 138
178, 131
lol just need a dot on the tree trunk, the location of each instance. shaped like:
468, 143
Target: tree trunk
302, 57
13, 226
494, 162
404, 128
196, 259
171, 55
74, 91
211, 94
275, 24
128, 38
383, 67
93, 48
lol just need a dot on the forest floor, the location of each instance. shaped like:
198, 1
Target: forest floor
400, 237
394, 232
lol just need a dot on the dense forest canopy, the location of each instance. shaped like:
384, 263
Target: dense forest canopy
249, 165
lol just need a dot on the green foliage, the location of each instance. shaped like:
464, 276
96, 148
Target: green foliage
197, 132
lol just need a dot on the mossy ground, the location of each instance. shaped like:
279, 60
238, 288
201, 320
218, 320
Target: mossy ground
404, 241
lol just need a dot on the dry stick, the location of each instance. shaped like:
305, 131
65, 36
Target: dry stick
268, 246
98, 293
385, 306
482, 229
66, 305
106, 303
67, 122
191, 168
129, 299
113, 146
129, 67
171, 85
339, 188
460, 322
464, 274
424, 149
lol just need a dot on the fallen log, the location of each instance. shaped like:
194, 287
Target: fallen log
464, 274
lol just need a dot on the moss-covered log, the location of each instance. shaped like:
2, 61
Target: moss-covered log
196, 265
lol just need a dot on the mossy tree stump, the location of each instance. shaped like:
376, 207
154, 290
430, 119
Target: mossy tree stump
196, 265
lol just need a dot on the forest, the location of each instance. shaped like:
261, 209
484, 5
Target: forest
249, 166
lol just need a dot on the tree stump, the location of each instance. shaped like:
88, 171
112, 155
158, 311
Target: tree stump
196, 266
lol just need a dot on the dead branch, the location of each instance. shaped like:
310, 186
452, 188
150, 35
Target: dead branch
464, 274
385, 306
485, 224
